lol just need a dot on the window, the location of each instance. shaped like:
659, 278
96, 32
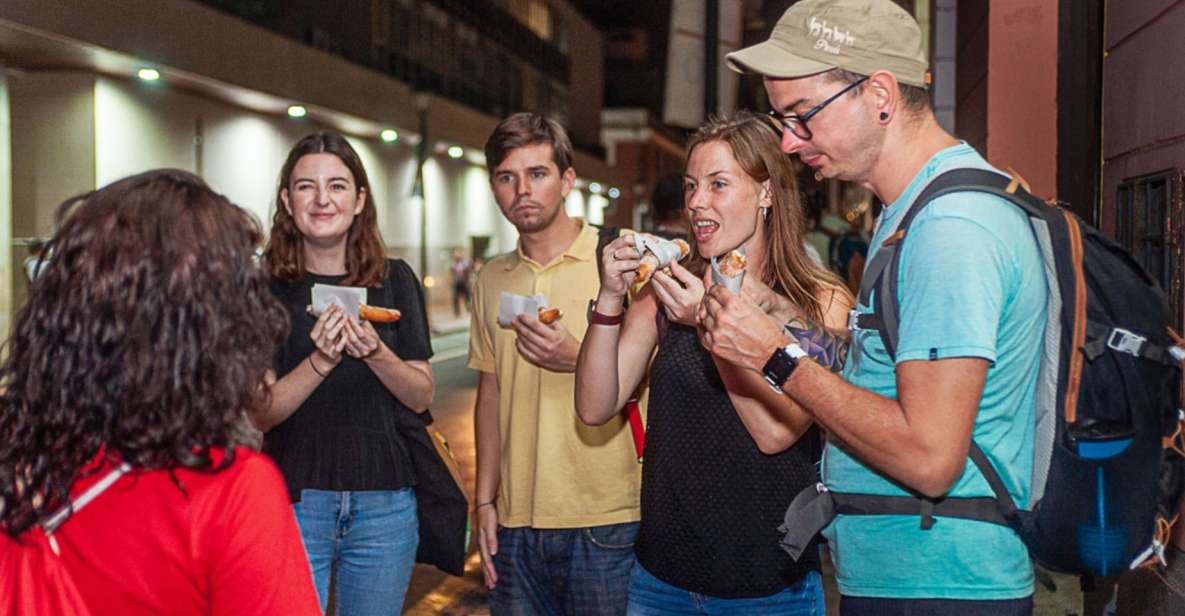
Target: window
1148, 220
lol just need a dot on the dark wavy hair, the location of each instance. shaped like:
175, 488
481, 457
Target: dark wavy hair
145, 338
366, 257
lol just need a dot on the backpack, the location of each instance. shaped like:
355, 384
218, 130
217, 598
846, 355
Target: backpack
1108, 467
32, 577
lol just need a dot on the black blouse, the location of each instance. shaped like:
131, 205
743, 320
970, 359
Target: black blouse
345, 436
711, 501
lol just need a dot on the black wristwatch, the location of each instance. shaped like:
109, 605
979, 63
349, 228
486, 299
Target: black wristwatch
781, 365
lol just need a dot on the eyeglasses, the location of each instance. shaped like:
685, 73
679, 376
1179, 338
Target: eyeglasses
797, 123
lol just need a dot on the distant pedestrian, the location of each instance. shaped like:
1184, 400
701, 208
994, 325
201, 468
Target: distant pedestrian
557, 501
722, 460
460, 269
141, 343
346, 388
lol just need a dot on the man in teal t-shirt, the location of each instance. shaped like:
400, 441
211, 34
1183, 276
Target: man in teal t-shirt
847, 80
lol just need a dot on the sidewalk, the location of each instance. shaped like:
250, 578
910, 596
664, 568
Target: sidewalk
443, 321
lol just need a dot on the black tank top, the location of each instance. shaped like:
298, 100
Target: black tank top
711, 501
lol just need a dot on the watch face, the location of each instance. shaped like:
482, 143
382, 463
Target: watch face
778, 368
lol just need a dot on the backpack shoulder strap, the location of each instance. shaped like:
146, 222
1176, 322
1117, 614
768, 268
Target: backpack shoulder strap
881, 272
54, 521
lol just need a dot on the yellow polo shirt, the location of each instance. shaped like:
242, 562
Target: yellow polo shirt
556, 471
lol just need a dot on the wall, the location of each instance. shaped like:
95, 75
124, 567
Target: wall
1006, 85
586, 75
1022, 90
53, 157
1143, 86
73, 132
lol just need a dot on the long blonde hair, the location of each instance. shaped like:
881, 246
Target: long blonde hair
753, 141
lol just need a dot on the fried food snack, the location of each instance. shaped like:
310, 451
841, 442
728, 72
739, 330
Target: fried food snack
547, 316
376, 314
733, 264
658, 253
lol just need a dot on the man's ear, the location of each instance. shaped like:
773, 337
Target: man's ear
567, 181
886, 93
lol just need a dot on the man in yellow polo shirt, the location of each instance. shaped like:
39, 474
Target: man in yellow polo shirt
557, 500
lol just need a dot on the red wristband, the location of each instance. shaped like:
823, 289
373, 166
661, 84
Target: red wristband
597, 318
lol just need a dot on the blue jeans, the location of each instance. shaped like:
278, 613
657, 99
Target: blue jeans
650, 596
571, 571
369, 537
876, 606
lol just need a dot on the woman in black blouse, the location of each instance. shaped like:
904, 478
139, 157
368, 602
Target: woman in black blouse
724, 453
345, 386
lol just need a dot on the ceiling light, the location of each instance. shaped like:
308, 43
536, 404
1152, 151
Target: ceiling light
456, 151
389, 135
148, 74
614, 193
297, 111
595, 188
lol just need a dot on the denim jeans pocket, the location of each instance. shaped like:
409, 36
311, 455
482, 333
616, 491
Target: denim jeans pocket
613, 536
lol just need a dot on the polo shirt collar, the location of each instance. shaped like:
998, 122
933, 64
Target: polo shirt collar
583, 248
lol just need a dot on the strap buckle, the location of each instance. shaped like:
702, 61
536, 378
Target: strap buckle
854, 320
1125, 341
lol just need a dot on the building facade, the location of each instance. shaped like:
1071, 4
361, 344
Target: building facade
107, 88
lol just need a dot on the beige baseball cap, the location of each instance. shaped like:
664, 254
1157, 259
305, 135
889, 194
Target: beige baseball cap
861, 36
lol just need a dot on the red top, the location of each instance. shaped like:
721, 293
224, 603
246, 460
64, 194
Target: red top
228, 544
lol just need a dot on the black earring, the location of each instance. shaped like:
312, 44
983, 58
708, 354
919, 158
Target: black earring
884, 116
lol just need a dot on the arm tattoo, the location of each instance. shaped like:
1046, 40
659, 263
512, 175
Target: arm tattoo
826, 348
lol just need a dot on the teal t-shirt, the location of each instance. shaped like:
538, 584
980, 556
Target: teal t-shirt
971, 284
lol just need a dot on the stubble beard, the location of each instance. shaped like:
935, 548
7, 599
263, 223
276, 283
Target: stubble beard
536, 225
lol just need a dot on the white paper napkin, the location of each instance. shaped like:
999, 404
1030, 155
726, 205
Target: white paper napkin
512, 305
731, 283
348, 298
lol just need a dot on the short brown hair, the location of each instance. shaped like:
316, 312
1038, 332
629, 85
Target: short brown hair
366, 257
524, 129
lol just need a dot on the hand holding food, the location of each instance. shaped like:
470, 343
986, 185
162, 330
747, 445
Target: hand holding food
657, 253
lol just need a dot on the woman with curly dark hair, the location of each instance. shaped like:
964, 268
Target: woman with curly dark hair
346, 387
143, 341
